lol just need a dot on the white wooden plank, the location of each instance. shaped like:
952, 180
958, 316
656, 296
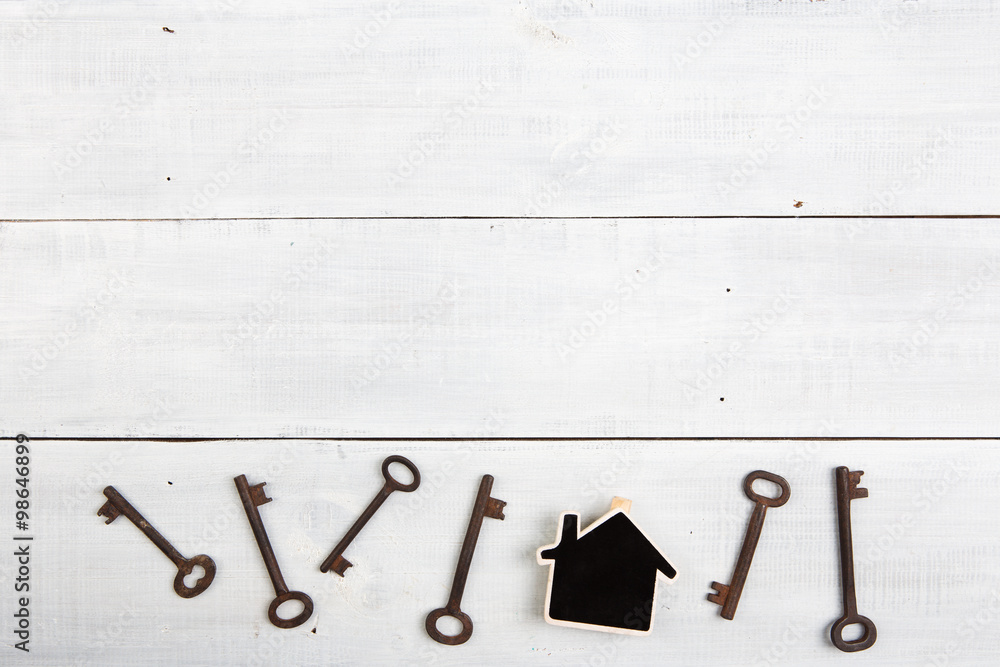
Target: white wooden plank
926, 566
410, 328
459, 108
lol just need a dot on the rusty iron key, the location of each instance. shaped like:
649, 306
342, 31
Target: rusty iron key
253, 497
117, 506
485, 506
847, 490
729, 596
336, 560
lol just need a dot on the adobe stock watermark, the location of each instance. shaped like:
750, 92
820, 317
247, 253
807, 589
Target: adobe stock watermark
905, 351
600, 484
365, 34
123, 107
593, 320
566, 10
43, 12
779, 648
222, 178
698, 44
920, 504
100, 473
753, 328
581, 160
431, 483
893, 20
212, 530
110, 631
92, 311
607, 652
452, 119
267, 649
884, 200
427, 315
784, 132
266, 310
803, 453
228, 6
986, 616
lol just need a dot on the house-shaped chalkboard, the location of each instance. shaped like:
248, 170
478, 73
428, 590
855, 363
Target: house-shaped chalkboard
605, 577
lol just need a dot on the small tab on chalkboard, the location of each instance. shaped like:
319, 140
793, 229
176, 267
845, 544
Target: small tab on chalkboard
621, 503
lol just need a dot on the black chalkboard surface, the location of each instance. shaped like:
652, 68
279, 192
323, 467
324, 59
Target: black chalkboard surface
605, 577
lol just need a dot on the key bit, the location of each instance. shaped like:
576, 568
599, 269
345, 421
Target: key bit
722, 591
494, 509
339, 564
853, 490
257, 495
109, 510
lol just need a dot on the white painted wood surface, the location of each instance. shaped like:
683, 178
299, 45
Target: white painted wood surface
431, 328
253, 108
152, 320
925, 546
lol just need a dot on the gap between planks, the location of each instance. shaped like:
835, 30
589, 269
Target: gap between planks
948, 216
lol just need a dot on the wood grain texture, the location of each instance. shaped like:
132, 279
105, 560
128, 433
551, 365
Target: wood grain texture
198, 294
464, 108
506, 328
926, 564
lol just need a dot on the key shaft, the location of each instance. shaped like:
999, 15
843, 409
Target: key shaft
848, 490
126, 509
336, 556
846, 543
117, 506
485, 506
260, 533
469, 544
728, 596
739, 579
252, 497
336, 560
